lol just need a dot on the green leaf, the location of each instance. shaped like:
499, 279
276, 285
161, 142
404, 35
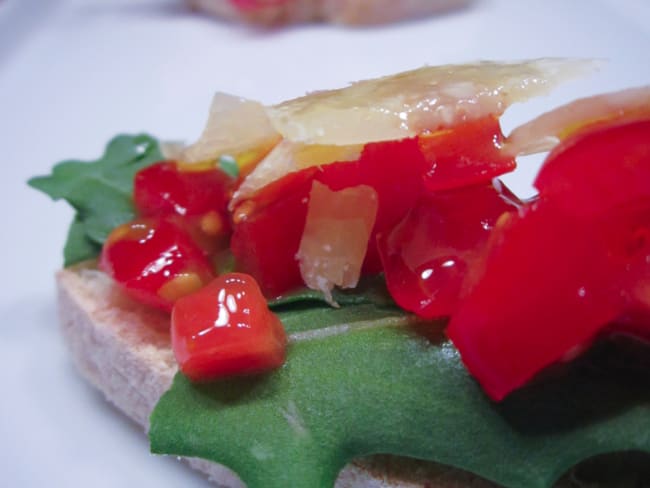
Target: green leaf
228, 165
100, 191
353, 387
370, 289
78, 247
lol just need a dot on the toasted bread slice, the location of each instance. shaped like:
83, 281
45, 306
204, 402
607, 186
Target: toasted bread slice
351, 12
123, 349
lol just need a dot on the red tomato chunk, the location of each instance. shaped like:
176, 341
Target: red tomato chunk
467, 155
155, 261
226, 329
556, 274
265, 241
426, 257
195, 196
546, 289
597, 171
166, 188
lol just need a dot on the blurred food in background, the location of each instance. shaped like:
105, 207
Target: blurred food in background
349, 12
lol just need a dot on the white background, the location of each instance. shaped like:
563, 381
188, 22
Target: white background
73, 73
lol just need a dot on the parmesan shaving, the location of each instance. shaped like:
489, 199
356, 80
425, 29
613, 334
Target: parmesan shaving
335, 239
235, 126
547, 130
413, 102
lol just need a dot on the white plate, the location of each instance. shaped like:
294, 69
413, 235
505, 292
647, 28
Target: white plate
74, 73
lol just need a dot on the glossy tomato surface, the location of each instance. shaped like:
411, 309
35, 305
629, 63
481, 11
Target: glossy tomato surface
427, 256
226, 329
467, 155
597, 170
556, 274
167, 188
266, 238
155, 261
195, 196
547, 287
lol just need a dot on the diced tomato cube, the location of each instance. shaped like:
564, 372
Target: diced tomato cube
167, 188
155, 261
267, 236
427, 256
226, 329
468, 154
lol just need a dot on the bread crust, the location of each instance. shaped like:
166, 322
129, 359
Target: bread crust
123, 349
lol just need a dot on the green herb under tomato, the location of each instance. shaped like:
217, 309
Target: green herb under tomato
370, 289
228, 165
100, 191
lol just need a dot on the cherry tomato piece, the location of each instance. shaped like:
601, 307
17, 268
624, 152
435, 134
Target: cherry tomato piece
155, 261
267, 232
604, 170
598, 169
226, 329
467, 155
557, 273
195, 196
167, 188
426, 257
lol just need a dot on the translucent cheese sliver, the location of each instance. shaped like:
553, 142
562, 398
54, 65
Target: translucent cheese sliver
340, 122
387, 108
336, 235
288, 157
425, 99
235, 126
545, 131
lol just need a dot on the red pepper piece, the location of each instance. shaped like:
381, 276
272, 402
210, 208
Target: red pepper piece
226, 329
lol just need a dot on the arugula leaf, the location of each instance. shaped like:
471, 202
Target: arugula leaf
370, 289
78, 247
100, 191
378, 386
228, 165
